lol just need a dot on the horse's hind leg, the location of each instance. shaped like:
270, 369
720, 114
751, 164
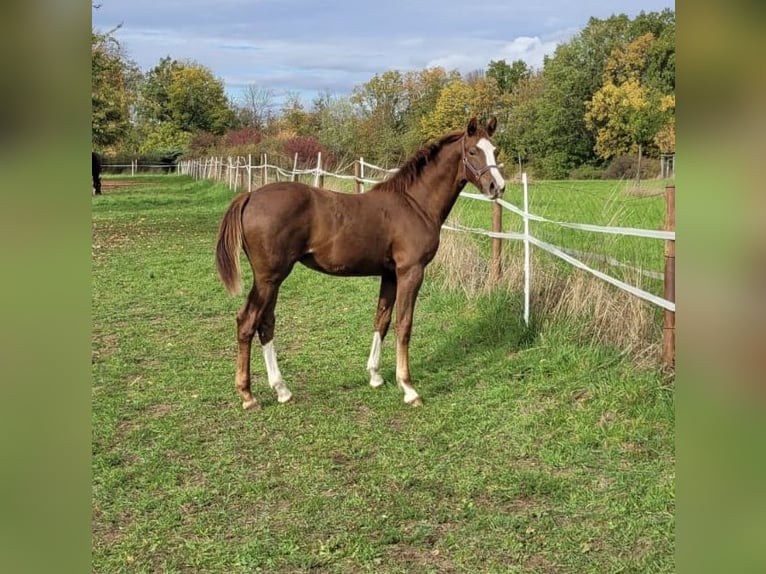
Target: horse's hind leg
386, 300
258, 315
246, 322
266, 335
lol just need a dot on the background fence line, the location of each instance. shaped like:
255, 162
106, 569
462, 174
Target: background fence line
214, 168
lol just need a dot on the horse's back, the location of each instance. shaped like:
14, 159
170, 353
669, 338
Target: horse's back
293, 205
278, 205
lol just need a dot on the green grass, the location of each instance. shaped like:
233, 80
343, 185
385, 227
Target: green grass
534, 451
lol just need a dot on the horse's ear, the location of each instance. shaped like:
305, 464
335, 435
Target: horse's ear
491, 126
473, 126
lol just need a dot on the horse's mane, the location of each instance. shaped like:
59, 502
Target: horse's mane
413, 167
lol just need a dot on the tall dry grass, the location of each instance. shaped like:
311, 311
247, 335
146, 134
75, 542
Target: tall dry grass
558, 293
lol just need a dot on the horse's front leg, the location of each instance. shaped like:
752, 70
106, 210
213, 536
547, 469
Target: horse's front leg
408, 285
386, 300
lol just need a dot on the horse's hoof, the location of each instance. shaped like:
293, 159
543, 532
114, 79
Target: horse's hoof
416, 402
251, 405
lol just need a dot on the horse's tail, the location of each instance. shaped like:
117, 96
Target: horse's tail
229, 244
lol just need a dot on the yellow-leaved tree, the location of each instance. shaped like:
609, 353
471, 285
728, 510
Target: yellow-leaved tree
457, 102
624, 113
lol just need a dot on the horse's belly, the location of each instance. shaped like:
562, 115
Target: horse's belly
344, 266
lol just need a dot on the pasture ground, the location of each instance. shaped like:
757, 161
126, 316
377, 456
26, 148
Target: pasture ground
535, 450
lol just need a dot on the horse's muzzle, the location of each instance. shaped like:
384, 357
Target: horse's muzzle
494, 191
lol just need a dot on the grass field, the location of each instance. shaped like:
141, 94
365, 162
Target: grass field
535, 451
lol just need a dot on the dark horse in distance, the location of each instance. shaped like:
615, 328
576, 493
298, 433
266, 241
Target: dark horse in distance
96, 172
392, 231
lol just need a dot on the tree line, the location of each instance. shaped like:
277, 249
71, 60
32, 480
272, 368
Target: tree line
602, 102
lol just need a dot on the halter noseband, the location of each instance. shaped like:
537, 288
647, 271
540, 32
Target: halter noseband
476, 172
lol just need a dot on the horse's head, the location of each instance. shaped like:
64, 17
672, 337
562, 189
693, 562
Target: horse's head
479, 158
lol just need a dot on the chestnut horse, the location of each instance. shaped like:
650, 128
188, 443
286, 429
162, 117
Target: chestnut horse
392, 231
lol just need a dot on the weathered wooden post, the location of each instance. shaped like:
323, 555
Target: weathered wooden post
497, 243
295, 167
249, 172
357, 176
669, 324
319, 178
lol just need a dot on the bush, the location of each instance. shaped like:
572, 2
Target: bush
307, 148
243, 137
203, 144
624, 167
555, 165
587, 172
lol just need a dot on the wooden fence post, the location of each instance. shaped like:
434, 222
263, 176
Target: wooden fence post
497, 227
295, 167
669, 324
319, 179
357, 175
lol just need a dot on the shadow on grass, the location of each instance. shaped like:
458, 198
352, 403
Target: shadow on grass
479, 345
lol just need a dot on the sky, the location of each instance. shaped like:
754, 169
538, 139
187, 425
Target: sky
305, 48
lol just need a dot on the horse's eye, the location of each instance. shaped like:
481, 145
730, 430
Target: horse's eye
472, 151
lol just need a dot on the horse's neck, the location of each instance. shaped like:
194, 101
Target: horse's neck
438, 187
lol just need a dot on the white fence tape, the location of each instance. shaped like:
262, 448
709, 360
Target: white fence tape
477, 231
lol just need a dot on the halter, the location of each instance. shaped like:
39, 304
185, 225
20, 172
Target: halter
476, 172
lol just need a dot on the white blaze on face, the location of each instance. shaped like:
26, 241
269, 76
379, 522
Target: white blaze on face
489, 155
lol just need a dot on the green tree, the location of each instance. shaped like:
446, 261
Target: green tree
660, 68
295, 120
164, 140
381, 103
178, 100
508, 76
338, 126
382, 97
197, 101
572, 75
518, 133
625, 114
154, 106
113, 80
